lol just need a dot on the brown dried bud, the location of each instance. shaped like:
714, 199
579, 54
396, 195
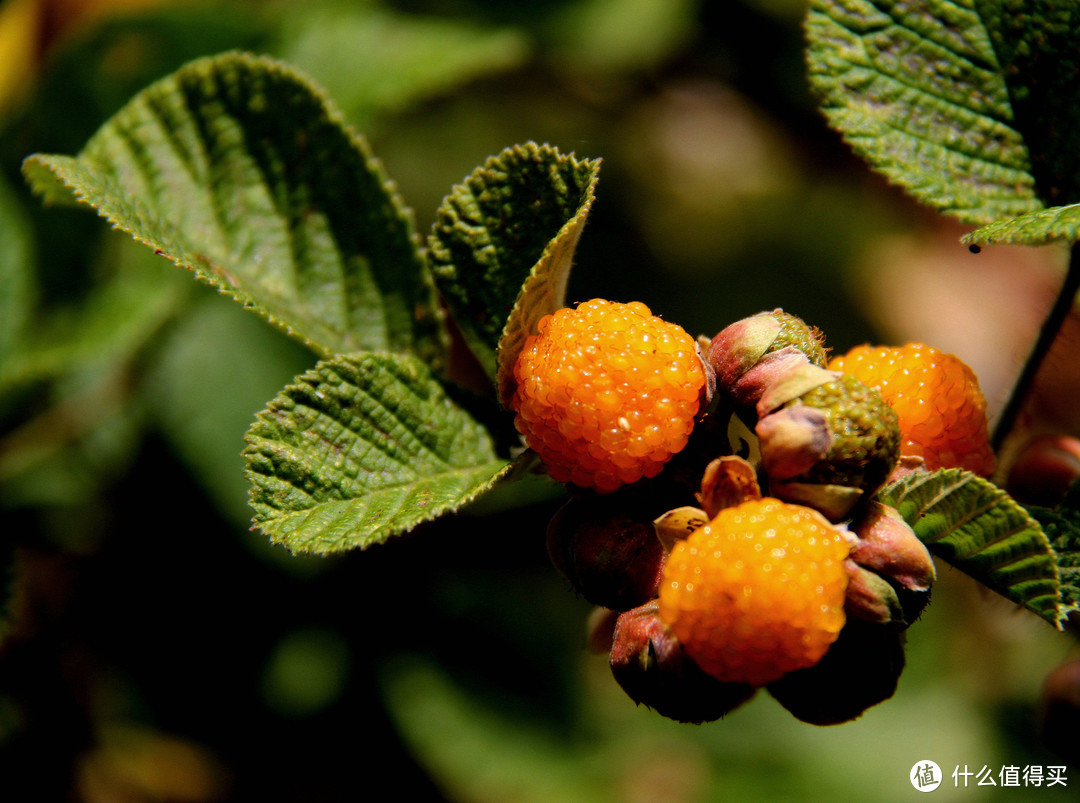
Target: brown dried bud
677, 524
1059, 715
729, 481
651, 667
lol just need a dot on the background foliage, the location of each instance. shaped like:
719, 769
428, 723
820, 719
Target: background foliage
158, 650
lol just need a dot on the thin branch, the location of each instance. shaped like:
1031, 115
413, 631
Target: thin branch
1051, 327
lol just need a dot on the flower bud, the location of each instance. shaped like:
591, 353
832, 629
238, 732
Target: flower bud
888, 546
870, 597
828, 446
860, 670
892, 570
607, 548
1045, 468
1059, 715
752, 354
651, 667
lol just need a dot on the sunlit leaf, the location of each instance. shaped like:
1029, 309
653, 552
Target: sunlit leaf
494, 228
238, 168
978, 528
361, 448
970, 105
1058, 224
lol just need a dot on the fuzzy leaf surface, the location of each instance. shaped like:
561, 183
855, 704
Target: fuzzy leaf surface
978, 528
543, 293
1057, 224
1062, 526
970, 105
359, 449
493, 229
238, 168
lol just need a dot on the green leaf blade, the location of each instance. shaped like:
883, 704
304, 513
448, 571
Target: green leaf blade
1062, 526
494, 228
978, 528
1057, 224
237, 168
919, 93
361, 448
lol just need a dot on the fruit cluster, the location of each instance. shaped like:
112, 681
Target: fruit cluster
723, 568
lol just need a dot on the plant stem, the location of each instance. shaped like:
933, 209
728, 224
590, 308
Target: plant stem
1051, 327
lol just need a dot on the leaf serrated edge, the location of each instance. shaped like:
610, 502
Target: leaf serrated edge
906, 485
463, 194
207, 272
1058, 224
256, 446
544, 291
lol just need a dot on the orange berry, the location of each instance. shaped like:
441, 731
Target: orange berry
941, 410
757, 592
607, 393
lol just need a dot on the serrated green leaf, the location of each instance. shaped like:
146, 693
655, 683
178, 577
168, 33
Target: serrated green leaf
970, 105
1058, 224
1062, 527
978, 528
238, 168
493, 229
361, 448
543, 293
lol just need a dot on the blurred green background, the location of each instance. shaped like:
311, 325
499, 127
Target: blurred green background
156, 650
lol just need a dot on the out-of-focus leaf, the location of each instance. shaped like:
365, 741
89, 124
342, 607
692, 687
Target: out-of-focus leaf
16, 273
238, 168
970, 105
978, 528
494, 228
8, 570
215, 370
619, 35
20, 31
372, 60
120, 315
361, 448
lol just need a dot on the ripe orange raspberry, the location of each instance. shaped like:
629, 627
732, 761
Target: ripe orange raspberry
757, 592
941, 410
607, 393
